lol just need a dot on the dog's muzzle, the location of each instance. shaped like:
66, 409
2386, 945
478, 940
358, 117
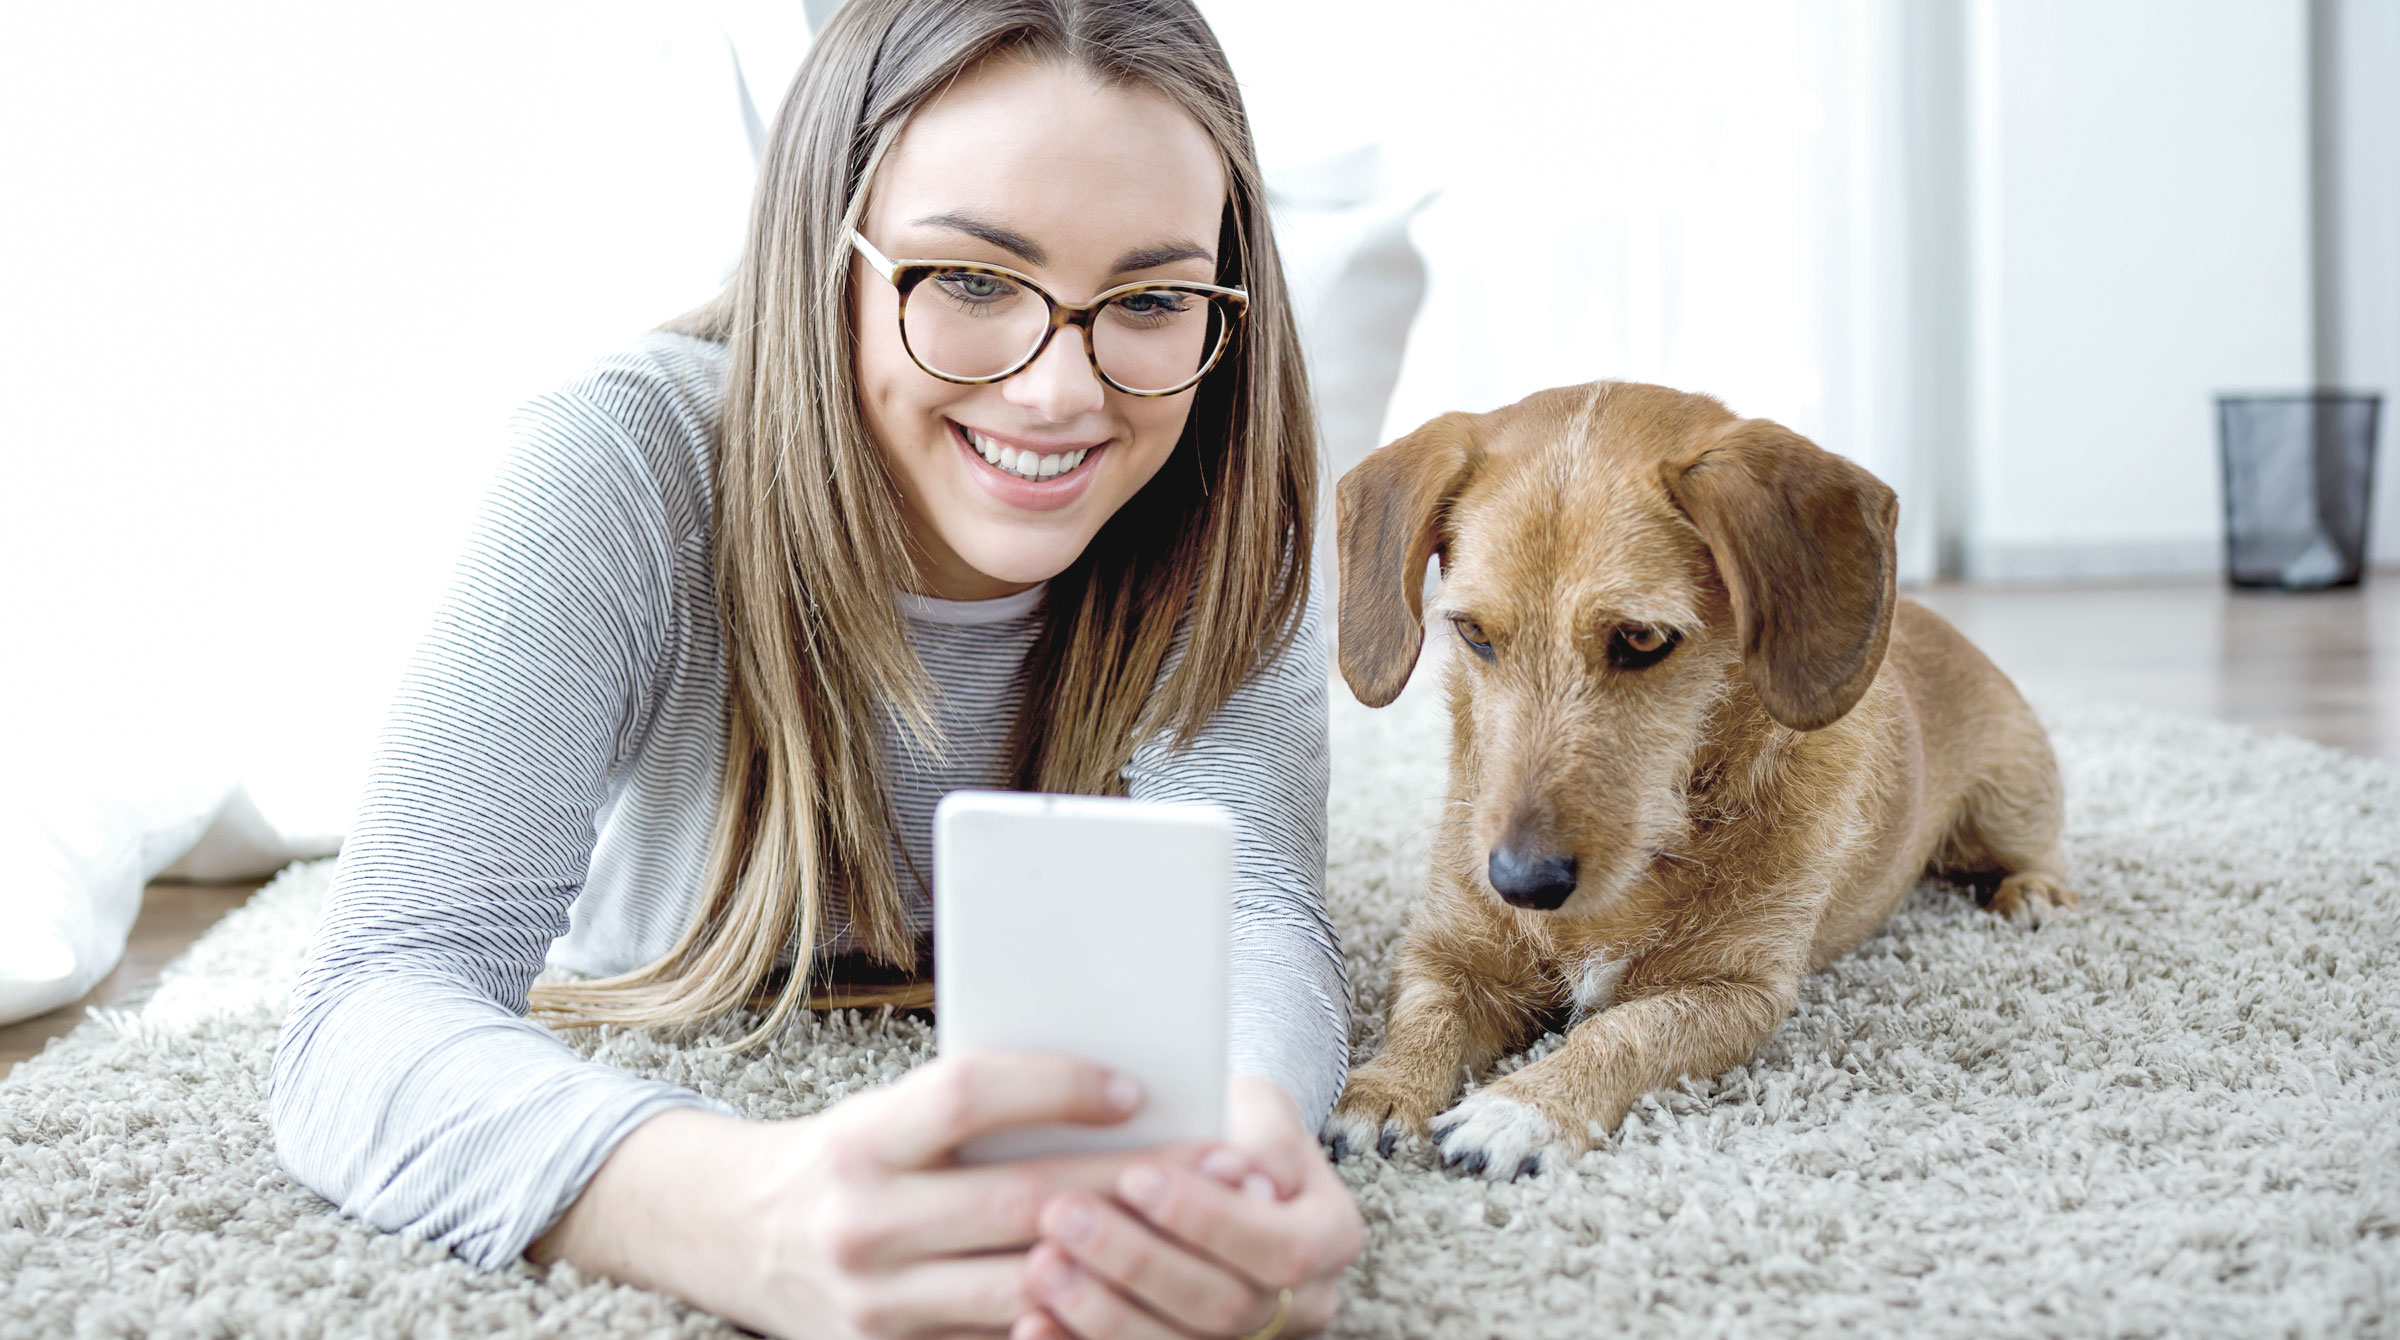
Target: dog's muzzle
1532, 878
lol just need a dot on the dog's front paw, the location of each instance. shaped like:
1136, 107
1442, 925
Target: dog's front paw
1501, 1138
2033, 897
1374, 1112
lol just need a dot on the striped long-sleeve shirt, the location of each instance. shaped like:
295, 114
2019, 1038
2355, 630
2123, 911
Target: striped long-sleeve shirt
543, 791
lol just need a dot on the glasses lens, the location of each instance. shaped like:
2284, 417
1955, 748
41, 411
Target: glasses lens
1157, 338
965, 323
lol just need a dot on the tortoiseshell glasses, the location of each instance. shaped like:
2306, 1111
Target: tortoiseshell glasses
970, 323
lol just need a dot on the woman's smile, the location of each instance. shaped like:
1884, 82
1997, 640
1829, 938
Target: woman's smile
1022, 472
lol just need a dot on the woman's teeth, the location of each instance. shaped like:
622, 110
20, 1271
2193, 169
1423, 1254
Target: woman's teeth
1024, 464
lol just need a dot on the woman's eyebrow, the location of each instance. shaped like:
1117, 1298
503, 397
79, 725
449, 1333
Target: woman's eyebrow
1165, 253
1025, 248
1031, 252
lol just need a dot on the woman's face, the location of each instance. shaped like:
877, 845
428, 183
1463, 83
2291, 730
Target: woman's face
1037, 167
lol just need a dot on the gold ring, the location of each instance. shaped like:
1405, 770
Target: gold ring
1274, 1326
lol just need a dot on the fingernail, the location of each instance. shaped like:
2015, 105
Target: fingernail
1258, 1186
1123, 1093
1058, 1278
1224, 1165
1075, 1223
1143, 1186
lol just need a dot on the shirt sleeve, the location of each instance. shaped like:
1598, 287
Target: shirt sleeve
408, 1087
1266, 757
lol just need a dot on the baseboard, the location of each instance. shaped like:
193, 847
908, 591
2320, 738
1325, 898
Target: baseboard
2041, 560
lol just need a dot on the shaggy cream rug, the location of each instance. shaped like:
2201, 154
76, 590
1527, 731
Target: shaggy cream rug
2178, 1114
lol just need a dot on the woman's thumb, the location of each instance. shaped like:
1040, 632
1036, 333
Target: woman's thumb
1264, 1124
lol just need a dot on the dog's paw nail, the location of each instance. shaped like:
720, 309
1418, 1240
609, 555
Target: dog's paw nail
1337, 1148
1387, 1142
1529, 1168
1476, 1162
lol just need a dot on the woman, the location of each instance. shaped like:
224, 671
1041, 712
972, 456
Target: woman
748, 599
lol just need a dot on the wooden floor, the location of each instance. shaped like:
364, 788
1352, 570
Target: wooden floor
172, 916
2324, 665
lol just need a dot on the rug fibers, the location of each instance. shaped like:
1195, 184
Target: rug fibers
2177, 1114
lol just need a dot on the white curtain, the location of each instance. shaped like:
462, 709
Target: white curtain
1707, 195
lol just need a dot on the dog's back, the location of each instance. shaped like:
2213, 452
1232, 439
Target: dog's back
1993, 769
1985, 799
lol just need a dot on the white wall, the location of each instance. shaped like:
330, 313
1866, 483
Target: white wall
2360, 56
271, 276
2140, 241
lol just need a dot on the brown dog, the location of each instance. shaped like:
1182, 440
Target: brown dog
1698, 748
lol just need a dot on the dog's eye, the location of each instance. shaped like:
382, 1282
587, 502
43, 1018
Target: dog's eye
1636, 646
1471, 633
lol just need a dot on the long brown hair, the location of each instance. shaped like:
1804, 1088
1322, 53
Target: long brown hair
809, 541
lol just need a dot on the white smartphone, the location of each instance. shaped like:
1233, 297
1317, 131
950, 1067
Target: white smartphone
1092, 926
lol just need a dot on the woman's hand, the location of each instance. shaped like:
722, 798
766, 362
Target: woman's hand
854, 1222
1201, 1250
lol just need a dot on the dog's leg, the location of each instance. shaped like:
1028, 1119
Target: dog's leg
2034, 896
1553, 1110
2011, 822
1447, 1018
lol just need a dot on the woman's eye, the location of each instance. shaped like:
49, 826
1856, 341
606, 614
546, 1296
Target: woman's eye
1153, 304
973, 287
1635, 646
1150, 311
1473, 635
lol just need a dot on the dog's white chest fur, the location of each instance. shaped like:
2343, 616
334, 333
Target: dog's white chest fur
1596, 985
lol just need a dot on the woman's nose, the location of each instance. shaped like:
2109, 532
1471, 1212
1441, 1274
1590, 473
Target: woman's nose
1061, 383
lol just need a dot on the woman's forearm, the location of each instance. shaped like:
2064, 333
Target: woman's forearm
419, 1104
673, 1209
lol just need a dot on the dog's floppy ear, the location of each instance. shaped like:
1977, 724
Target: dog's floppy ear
1388, 510
1803, 540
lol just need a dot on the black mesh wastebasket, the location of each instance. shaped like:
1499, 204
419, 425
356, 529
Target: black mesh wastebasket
2299, 470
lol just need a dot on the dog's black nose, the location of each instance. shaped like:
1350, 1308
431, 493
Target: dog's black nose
1528, 878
